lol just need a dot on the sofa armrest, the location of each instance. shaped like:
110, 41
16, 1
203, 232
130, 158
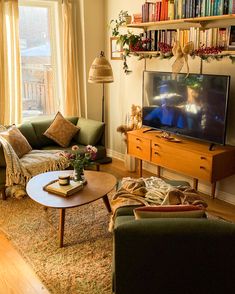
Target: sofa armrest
91, 132
174, 256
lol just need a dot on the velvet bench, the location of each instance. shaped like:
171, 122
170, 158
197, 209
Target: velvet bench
172, 255
91, 132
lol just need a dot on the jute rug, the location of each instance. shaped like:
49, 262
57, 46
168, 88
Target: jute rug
83, 265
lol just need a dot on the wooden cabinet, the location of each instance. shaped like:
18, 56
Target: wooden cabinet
192, 158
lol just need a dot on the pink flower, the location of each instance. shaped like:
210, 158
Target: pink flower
75, 148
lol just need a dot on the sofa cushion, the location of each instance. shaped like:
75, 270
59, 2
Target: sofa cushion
17, 140
61, 130
41, 126
28, 131
169, 211
90, 131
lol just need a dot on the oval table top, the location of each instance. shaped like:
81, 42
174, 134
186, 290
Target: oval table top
98, 185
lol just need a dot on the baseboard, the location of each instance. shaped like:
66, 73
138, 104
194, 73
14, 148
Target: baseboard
115, 154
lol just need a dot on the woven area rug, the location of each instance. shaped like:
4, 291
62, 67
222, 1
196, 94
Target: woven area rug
83, 265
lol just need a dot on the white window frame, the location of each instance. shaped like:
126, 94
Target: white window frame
55, 29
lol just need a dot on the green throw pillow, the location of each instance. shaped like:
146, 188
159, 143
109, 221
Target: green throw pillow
90, 132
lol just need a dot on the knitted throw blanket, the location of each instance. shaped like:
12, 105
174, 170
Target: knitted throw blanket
152, 191
19, 171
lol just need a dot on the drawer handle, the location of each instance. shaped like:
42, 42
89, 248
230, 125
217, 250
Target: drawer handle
138, 139
202, 167
138, 147
202, 157
156, 153
156, 145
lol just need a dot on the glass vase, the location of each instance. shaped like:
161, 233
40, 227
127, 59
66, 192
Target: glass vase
78, 174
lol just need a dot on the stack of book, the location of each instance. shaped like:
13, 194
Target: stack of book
55, 188
137, 18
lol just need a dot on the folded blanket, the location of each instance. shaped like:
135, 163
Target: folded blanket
152, 191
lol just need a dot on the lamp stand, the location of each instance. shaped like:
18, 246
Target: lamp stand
107, 159
103, 105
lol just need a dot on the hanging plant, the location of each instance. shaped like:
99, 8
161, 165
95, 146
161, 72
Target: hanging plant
129, 42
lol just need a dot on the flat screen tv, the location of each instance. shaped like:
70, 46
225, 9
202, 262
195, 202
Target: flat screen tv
193, 106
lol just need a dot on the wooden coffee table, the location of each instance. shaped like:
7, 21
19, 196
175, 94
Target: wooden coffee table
99, 184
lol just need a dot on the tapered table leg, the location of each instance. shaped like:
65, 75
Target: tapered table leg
195, 184
106, 202
61, 227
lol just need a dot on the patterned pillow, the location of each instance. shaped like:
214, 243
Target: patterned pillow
167, 211
17, 140
61, 130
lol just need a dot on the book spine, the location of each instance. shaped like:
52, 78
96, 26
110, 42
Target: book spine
183, 8
176, 9
179, 13
171, 11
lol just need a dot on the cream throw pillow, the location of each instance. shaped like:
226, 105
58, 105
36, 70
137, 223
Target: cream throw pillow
17, 140
61, 130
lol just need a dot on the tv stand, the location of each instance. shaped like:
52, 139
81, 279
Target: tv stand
192, 158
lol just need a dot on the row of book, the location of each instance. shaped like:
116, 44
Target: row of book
213, 37
180, 9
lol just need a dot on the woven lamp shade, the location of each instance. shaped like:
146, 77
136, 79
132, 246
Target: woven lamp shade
100, 71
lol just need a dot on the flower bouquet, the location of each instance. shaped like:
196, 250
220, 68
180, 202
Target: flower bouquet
79, 160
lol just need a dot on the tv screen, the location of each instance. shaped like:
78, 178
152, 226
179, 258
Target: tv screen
193, 106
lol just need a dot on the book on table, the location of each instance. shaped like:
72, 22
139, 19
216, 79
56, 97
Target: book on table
67, 190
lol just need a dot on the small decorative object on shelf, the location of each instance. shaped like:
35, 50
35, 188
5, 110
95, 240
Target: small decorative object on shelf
80, 159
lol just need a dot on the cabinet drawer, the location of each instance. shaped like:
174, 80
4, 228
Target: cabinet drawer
139, 147
186, 162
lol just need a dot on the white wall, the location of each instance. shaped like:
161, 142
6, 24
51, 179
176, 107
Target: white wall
93, 44
127, 90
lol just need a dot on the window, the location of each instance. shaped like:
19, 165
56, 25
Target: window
40, 57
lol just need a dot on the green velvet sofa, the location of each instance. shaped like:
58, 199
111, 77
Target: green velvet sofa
172, 255
91, 132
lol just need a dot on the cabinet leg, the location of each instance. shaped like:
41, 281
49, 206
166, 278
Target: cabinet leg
213, 187
195, 184
140, 168
158, 171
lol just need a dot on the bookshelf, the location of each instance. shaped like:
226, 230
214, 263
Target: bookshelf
200, 23
204, 22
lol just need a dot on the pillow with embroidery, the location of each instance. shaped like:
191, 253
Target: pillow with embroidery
17, 140
61, 130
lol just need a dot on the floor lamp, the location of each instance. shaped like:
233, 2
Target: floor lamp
101, 73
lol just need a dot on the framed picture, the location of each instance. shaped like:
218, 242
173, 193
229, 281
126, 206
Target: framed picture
115, 49
231, 44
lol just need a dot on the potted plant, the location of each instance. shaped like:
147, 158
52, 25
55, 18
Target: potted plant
129, 42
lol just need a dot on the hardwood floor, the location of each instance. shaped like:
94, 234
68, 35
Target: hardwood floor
16, 277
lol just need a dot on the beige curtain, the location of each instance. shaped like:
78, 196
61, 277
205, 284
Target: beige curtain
70, 60
10, 76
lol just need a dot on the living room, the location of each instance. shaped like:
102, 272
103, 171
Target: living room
31, 261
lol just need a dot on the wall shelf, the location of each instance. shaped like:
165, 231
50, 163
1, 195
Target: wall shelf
206, 21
